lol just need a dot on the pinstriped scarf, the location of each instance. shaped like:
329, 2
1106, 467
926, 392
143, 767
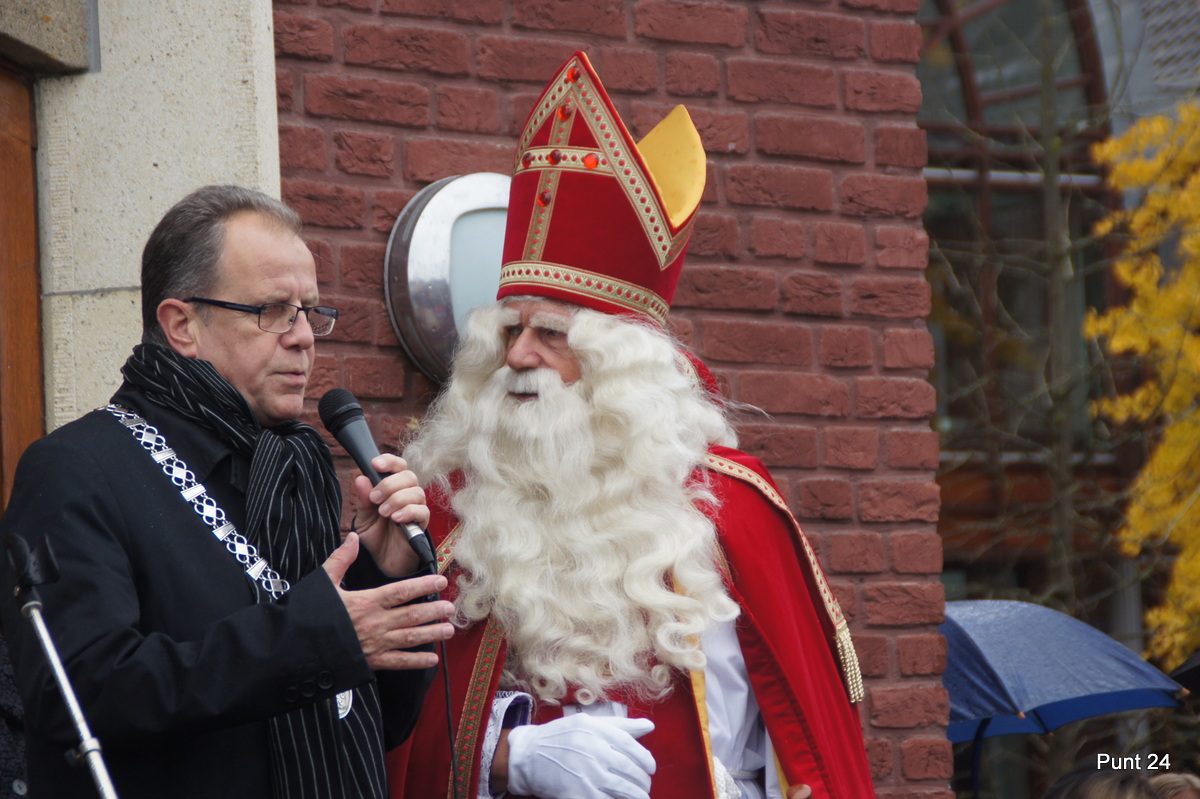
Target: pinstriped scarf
293, 506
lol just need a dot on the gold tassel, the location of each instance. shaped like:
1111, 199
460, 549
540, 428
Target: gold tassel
849, 662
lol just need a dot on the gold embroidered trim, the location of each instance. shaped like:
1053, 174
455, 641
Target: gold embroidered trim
472, 721
445, 552
581, 97
568, 159
586, 284
535, 238
846, 655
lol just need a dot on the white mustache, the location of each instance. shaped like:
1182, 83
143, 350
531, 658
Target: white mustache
534, 381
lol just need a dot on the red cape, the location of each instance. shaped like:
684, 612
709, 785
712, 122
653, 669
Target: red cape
793, 638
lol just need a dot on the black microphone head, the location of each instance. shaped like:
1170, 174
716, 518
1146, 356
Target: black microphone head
338, 408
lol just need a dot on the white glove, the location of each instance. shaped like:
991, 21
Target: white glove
580, 757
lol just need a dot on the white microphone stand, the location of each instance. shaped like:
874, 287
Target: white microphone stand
37, 568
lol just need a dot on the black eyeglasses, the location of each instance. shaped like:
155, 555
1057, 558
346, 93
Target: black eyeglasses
278, 317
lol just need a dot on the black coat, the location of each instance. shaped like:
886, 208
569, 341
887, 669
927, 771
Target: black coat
176, 667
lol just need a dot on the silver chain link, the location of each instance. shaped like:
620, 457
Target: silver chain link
184, 479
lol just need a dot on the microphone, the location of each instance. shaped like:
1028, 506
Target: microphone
343, 418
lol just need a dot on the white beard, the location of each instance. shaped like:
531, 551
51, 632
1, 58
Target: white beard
582, 533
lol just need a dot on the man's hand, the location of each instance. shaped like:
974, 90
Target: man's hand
383, 508
384, 623
799, 792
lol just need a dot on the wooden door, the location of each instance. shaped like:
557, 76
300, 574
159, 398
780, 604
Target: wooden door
21, 409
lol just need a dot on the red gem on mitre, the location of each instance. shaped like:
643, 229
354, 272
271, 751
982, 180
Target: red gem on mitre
568, 216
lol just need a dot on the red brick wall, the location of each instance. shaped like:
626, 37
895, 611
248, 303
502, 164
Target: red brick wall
805, 289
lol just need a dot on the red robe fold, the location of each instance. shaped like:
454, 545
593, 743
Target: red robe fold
792, 636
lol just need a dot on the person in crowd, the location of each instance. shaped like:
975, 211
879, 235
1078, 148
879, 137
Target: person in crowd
1176, 785
222, 640
1087, 782
640, 614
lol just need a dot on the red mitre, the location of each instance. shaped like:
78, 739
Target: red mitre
594, 218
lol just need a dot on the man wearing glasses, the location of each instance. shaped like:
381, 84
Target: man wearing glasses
220, 637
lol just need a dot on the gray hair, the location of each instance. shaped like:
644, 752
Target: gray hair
182, 254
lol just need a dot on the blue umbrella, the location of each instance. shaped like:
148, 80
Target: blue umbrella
1016, 667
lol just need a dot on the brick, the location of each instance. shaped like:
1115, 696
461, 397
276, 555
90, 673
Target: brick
908, 349
892, 6
326, 205
895, 41
891, 297
627, 69
916, 553
882, 92
927, 759
880, 757
691, 22
885, 501
846, 347
365, 154
362, 267
812, 294
285, 90
755, 81
387, 207
840, 244
728, 287
327, 268
780, 446
775, 186
304, 37
845, 595
602, 17
502, 58
921, 655
721, 131
360, 5
379, 376
367, 100
692, 75
897, 145
873, 654
855, 553
901, 247
773, 237
469, 110
851, 447
912, 449
428, 159
904, 604
819, 138
302, 148
883, 196
894, 398
356, 320
408, 49
757, 342
824, 498
325, 374
522, 105
487, 12
788, 392
715, 234
809, 34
